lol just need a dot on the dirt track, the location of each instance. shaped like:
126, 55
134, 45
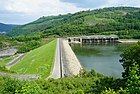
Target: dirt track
21, 77
13, 62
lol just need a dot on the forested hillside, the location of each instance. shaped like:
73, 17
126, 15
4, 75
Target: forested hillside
122, 21
6, 27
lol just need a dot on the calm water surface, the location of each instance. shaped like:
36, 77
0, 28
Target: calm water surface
103, 58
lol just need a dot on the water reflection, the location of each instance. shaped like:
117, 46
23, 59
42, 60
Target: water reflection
104, 58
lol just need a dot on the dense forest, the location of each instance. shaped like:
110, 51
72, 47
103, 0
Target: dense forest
122, 21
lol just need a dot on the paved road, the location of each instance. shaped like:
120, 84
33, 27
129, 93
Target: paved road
13, 62
56, 72
62, 61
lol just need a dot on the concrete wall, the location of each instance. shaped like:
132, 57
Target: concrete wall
71, 64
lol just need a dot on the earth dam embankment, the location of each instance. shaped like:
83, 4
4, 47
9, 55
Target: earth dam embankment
71, 64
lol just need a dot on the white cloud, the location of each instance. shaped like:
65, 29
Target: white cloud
23, 11
41, 7
132, 3
29, 10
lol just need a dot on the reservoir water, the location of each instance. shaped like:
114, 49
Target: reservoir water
103, 58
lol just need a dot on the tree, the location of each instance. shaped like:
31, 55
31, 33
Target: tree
130, 57
131, 65
133, 80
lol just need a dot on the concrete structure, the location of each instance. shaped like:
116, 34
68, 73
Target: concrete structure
93, 39
66, 62
70, 64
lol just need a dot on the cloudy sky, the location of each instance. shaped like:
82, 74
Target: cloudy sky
24, 11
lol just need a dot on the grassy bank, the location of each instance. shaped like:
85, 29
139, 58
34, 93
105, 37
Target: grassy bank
38, 61
5, 60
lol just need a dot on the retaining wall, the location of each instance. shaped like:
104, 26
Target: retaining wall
71, 64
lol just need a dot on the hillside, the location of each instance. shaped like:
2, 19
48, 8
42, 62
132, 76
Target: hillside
122, 21
38, 61
6, 27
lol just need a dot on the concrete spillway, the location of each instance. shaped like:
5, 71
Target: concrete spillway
93, 39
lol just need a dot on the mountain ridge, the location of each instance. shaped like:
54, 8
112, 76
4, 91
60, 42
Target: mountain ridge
105, 20
6, 27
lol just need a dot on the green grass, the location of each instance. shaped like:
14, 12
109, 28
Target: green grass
39, 61
46, 40
92, 20
5, 60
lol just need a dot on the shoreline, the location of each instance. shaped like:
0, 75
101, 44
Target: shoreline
128, 40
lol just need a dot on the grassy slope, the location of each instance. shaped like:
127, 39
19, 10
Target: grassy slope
38, 61
5, 60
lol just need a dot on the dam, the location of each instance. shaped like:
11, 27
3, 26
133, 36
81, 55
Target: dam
72, 60
66, 63
93, 39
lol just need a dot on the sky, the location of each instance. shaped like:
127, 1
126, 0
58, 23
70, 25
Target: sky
25, 11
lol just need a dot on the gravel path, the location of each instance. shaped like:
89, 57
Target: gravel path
13, 62
20, 77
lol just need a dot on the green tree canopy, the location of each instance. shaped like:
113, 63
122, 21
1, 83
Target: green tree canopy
131, 64
130, 57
